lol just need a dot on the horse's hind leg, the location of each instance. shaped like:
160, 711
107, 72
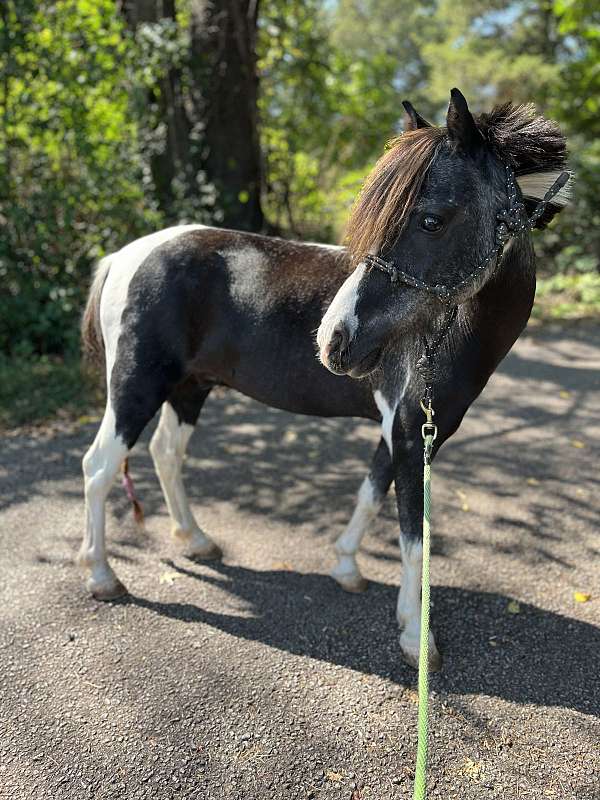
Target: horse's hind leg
370, 497
100, 465
168, 445
136, 393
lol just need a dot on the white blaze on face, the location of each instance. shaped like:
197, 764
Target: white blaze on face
342, 311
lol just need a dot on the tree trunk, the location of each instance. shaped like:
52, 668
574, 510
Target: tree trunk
171, 160
211, 135
225, 80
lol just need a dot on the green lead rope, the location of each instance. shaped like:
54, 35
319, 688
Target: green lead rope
429, 431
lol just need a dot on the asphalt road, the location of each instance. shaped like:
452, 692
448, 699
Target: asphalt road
258, 677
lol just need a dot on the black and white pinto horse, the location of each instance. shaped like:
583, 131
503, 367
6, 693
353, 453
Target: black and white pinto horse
186, 309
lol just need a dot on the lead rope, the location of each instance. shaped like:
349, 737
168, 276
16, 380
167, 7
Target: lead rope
429, 433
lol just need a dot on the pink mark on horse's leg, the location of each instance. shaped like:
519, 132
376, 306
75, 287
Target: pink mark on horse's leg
138, 512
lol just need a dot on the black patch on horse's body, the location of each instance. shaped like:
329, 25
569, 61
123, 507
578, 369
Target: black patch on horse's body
184, 329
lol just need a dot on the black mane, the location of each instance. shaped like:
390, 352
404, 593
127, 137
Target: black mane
529, 142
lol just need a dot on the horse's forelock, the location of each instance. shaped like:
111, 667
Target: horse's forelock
390, 191
516, 134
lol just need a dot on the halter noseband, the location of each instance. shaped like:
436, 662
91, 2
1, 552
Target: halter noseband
510, 221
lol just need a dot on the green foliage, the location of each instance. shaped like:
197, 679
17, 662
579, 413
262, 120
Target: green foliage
35, 389
322, 113
565, 296
70, 176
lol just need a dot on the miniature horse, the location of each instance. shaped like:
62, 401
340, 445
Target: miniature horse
180, 311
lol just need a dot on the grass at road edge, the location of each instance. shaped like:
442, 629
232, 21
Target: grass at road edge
36, 390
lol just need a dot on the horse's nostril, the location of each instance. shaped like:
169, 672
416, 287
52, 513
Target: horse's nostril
339, 341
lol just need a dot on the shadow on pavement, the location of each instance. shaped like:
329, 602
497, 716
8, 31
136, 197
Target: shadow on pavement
521, 658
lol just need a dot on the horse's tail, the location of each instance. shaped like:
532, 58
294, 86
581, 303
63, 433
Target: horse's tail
91, 330
92, 345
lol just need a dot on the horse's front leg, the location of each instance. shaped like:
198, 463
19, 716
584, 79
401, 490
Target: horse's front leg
409, 496
370, 497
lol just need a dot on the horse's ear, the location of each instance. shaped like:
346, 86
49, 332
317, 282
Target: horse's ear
462, 130
412, 119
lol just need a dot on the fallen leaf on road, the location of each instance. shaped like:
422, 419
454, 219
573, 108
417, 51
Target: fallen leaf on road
582, 597
533, 481
564, 394
463, 500
283, 565
472, 769
333, 776
578, 444
168, 577
513, 607
411, 695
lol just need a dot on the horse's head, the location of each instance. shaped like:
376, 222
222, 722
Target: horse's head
430, 209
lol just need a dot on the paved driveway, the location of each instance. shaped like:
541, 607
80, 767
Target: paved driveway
259, 678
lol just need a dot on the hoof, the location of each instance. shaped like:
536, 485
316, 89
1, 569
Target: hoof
352, 583
435, 660
106, 591
197, 545
210, 553
409, 645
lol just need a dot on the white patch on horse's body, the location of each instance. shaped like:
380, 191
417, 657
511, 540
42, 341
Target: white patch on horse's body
387, 417
338, 248
408, 610
168, 448
341, 310
249, 271
536, 184
346, 571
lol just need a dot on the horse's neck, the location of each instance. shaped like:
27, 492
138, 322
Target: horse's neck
486, 329
499, 312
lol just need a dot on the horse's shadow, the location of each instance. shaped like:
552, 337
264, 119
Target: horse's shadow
533, 657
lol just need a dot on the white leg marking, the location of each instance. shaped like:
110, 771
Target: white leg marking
346, 571
168, 447
341, 310
100, 465
408, 611
387, 418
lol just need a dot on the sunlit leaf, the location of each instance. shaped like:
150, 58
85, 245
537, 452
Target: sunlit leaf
582, 597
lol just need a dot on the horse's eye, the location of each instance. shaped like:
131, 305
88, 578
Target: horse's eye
431, 223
